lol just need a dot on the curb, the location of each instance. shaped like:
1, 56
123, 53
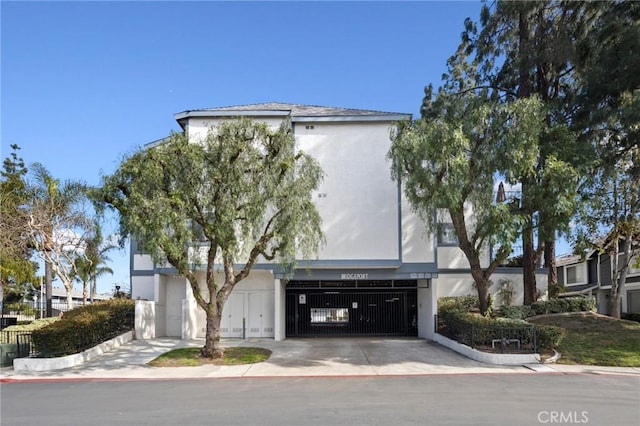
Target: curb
48, 364
552, 360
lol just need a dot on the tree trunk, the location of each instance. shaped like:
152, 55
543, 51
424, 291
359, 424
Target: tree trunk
613, 303
69, 298
613, 306
482, 286
211, 347
550, 262
528, 265
92, 290
48, 278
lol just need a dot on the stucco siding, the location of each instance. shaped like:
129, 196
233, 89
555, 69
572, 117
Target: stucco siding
357, 200
462, 284
142, 287
418, 244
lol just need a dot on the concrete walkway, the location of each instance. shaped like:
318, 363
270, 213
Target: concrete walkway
323, 357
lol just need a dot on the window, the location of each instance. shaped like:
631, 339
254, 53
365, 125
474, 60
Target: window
447, 235
572, 274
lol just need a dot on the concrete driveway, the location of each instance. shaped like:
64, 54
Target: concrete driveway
308, 357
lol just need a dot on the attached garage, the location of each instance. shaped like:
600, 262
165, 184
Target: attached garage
351, 308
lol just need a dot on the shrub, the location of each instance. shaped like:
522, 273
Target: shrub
548, 336
516, 312
32, 325
459, 303
630, 316
555, 289
506, 292
474, 330
84, 327
567, 304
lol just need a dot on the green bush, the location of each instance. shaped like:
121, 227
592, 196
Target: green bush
630, 316
516, 312
460, 303
84, 327
548, 336
32, 325
566, 304
454, 313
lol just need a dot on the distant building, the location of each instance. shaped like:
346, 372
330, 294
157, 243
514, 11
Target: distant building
591, 276
59, 296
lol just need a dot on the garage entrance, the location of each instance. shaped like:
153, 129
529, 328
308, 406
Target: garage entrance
351, 308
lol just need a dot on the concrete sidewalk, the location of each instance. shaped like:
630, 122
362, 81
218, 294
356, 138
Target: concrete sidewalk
323, 357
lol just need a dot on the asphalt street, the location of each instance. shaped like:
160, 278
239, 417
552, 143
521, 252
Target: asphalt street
479, 399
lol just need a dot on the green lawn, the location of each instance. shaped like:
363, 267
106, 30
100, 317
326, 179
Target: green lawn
593, 339
187, 357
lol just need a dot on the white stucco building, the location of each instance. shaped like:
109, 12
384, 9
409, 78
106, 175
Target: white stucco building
380, 272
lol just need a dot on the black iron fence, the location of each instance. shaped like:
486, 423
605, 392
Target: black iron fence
29, 311
489, 338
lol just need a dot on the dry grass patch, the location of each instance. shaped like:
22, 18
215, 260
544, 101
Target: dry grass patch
190, 357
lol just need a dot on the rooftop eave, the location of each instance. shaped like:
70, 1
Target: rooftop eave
255, 113
351, 118
182, 116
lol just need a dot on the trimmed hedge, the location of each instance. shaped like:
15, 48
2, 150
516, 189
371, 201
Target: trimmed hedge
553, 306
84, 327
548, 336
455, 310
459, 303
516, 312
630, 316
565, 304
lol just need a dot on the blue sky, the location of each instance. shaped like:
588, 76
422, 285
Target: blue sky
84, 83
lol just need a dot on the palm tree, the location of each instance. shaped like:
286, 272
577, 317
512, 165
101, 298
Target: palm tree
93, 263
58, 220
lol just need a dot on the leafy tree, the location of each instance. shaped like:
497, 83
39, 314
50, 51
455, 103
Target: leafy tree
614, 205
92, 263
526, 49
240, 195
447, 161
608, 117
608, 102
58, 221
16, 268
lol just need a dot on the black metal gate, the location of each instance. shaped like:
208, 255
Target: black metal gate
351, 312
